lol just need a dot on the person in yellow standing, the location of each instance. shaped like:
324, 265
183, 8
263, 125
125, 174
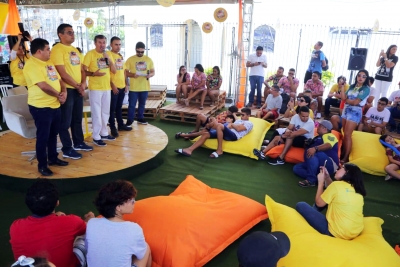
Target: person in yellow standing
139, 68
18, 56
119, 87
68, 62
98, 65
46, 91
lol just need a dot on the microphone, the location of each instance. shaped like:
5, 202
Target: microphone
148, 72
105, 59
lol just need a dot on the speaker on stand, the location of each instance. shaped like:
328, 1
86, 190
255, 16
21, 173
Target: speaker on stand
357, 60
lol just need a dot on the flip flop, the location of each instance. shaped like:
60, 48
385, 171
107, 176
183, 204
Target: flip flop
305, 183
388, 177
214, 155
178, 135
181, 152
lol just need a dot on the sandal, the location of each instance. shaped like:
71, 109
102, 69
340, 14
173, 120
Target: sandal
178, 135
305, 183
388, 177
201, 108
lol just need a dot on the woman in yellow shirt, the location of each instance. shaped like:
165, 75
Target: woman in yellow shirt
18, 58
344, 199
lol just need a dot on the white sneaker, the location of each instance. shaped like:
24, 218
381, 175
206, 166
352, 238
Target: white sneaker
388, 177
318, 116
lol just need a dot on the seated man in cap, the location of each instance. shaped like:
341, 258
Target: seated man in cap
262, 249
322, 151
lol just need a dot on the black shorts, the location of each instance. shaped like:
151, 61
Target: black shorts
308, 76
207, 121
298, 141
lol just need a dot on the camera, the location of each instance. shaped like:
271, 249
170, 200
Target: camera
12, 39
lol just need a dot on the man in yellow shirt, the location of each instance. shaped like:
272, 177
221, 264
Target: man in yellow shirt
118, 86
334, 95
68, 62
139, 68
18, 56
98, 65
46, 91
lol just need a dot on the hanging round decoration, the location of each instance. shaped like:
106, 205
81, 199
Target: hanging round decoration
36, 24
135, 24
376, 26
166, 3
89, 22
77, 14
207, 27
220, 14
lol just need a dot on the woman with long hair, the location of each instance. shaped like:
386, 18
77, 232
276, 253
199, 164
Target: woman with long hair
355, 98
384, 75
393, 154
198, 85
112, 241
345, 200
183, 79
214, 82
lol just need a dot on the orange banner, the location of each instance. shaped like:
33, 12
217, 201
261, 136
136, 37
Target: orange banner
11, 24
242, 80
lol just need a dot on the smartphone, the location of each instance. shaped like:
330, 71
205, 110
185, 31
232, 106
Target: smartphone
291, 99
325, 164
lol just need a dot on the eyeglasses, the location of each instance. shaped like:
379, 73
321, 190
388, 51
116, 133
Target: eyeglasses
70, 33
300, 100
139, 52
362, 76
291, 73
132, 200
382, 104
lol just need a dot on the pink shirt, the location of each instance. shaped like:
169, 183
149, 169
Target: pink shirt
197, 79
285, 84
314, 87
187, 77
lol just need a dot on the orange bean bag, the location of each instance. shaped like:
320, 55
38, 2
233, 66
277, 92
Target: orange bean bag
295, 154
194, 223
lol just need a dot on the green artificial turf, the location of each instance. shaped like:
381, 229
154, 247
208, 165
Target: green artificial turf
233, 173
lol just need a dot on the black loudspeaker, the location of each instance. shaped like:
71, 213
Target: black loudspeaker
358, 57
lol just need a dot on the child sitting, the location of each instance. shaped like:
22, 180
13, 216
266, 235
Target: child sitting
393, 156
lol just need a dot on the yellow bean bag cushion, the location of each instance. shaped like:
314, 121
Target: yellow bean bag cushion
194, 223
245, 145
368, 153
310, 248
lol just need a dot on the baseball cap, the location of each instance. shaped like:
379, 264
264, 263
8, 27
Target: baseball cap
326, 124
262, 249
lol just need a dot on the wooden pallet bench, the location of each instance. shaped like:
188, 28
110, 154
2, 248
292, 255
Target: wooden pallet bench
157, 92
207, 100
151, 108
182, 113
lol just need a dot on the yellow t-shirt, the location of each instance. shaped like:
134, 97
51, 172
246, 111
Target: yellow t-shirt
345, 210
118, 79
335, 88
140, 66
311, 113
95, 61
36, 71
70, 58
16, 69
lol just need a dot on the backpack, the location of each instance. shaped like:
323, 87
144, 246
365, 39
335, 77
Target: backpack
326, 66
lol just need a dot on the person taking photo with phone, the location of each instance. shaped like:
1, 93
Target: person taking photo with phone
334, 97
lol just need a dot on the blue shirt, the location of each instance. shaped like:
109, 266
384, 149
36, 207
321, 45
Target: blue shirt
316, 61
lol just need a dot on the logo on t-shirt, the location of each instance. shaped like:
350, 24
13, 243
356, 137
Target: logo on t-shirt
376, 118
119, 65
21, 65
101, 63
141, 68
74, 58
51, 73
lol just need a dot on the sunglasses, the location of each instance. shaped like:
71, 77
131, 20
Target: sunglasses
139, 52
300, 100
362, 76
70, 33
382, 104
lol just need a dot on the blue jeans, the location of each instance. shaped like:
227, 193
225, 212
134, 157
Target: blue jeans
309, 169
47, 121
116, 108
255, 82
71, 116
314, 218
134, 97
394, 114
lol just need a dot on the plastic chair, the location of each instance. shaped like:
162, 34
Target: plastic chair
4, 92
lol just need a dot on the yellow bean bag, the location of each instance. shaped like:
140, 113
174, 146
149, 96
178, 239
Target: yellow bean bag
368, 153
245, 145
310, 248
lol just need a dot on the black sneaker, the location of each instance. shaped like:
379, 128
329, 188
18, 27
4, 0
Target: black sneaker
57, 162
72, 154
107, 138
129, 123
83, 147
259, 154
277, 161
114, 132
99, 142
123, 127
142, 121
45, 171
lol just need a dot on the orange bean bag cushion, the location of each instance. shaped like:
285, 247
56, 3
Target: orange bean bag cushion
194, 223
295, 154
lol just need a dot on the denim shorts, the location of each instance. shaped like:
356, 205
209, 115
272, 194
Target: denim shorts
352, 113
228, 134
